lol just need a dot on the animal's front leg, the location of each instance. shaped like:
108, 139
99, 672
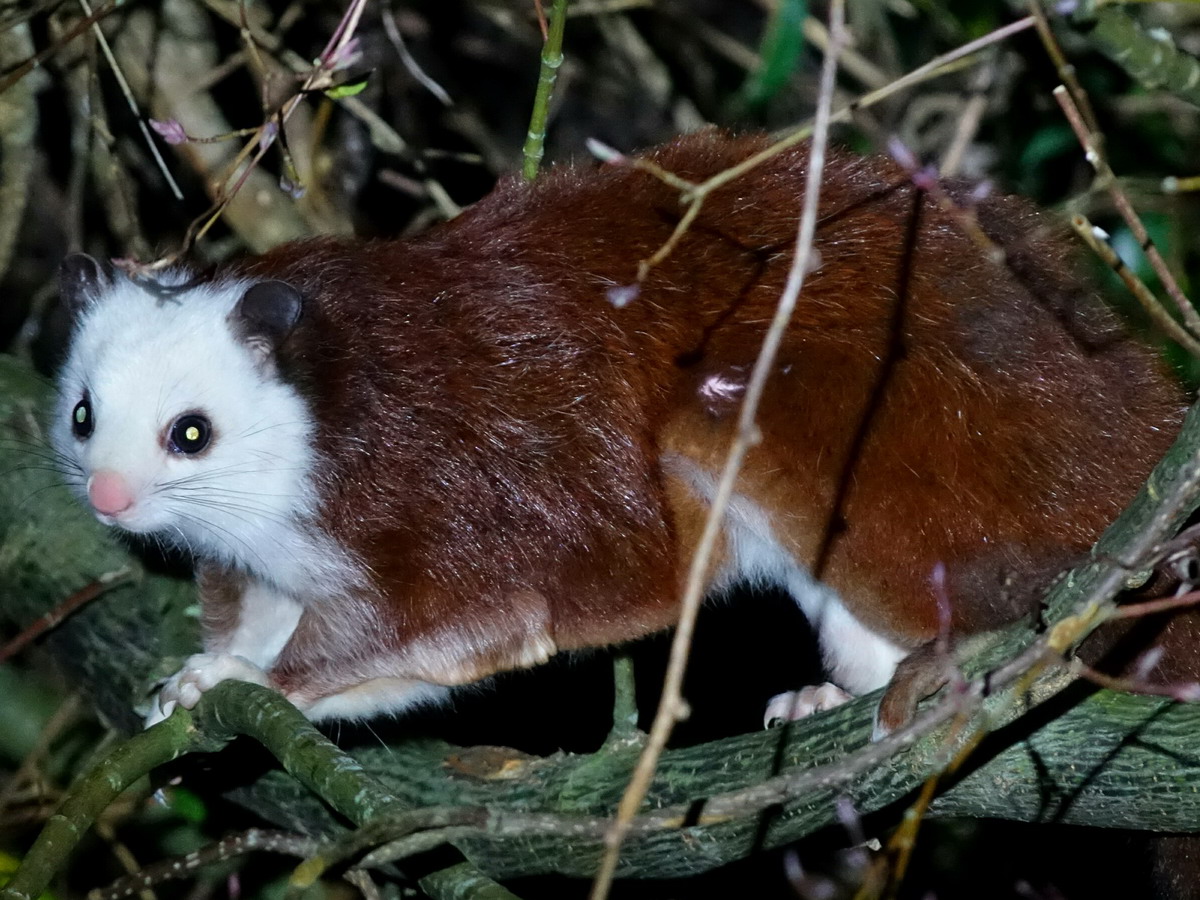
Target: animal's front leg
349, 660
248, 623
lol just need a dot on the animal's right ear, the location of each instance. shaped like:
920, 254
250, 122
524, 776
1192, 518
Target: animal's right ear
266, 315
80, 280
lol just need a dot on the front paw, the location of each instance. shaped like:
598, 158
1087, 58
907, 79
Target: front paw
792, 705
201, 673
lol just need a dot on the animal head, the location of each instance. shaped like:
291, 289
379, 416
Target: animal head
171, 418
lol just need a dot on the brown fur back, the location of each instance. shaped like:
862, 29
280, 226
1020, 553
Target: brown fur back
492, 428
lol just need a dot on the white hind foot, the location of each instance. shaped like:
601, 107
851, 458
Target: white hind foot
201, 673
792, 705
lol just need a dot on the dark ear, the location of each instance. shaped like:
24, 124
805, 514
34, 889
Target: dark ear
80, 281
266, 315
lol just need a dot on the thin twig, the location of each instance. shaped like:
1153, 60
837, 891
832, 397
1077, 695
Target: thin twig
963, 215
1173, 184
254, 840
366, 886
35, 61
410, 63
123, 855
1105, 178
968, 121
672, 707
852, 62
540, 12
252, 153
1066, 71
131, 102
382, 134
1188, 691
67, 713
1096, 239
693, 195
1153, 607
934, 67
51, 619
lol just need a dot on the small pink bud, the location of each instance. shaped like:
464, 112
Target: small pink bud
266, 137
170, 131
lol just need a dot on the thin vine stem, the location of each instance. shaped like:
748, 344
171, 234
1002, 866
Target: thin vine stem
672, 707
552, 59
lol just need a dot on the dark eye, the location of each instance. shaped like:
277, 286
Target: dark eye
190, 434
82, 422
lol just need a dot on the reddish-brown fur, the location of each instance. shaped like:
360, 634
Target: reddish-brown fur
491, 427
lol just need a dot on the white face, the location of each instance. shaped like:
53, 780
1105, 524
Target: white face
181, 430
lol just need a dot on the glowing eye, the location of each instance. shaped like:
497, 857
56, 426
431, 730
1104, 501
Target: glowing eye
190, 434
81, 419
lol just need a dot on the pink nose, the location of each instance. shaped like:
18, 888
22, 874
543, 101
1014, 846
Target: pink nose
108, 493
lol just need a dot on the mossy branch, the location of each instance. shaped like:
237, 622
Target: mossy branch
1149, 56
93, 793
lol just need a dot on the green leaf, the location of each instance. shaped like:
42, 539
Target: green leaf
783, 39
8, 865
186, 804
349, 89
